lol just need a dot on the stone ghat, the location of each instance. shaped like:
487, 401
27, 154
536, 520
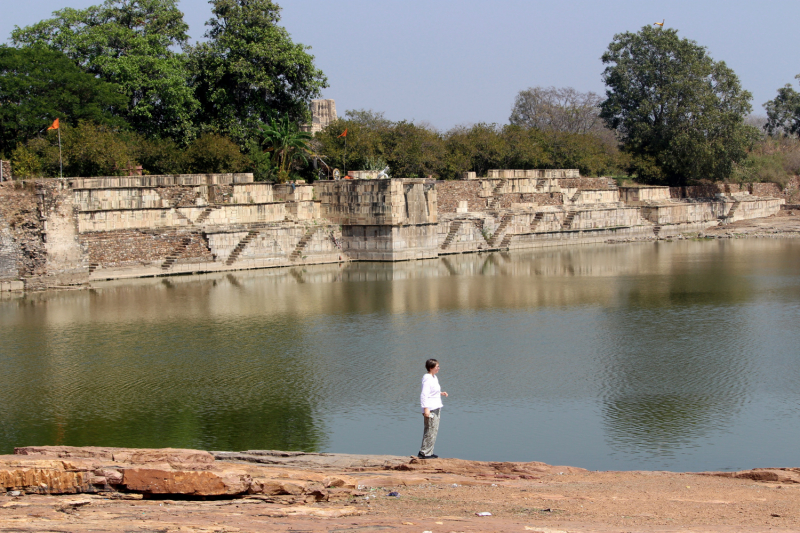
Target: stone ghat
69, 232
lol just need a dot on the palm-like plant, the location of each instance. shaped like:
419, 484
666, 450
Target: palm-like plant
287, 143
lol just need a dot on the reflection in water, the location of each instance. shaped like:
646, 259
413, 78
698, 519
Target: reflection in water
633, 356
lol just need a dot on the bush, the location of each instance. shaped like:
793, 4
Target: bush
212, 153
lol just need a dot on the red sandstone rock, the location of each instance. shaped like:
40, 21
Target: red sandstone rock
172, 456
205, 483
775, 475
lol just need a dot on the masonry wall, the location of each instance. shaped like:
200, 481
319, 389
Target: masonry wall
5, 170
8, 252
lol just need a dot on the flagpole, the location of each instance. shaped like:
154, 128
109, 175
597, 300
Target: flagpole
345, 154
60, 160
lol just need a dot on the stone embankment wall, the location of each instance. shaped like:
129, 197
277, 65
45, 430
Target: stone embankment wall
67, 232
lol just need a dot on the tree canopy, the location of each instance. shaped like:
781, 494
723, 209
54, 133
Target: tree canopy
249, 71
680, 114
38, 85
131, 43
783, 112
561, 109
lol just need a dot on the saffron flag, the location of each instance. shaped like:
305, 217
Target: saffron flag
344, 133
54, 126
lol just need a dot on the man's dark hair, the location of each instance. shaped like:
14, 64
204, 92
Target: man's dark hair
430, 364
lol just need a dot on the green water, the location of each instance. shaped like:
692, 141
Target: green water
679, 356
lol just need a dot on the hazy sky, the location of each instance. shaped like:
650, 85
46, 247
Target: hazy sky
451, 62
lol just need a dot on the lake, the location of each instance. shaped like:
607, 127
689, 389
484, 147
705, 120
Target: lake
661, 356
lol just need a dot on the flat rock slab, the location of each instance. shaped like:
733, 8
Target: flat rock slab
336, 461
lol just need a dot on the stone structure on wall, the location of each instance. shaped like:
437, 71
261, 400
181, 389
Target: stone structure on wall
5, 170
323, 112
67, 232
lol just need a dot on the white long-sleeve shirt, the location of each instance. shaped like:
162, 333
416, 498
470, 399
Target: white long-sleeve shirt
431, 395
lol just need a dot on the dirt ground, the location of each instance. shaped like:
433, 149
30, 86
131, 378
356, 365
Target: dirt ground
785, 224
443, 496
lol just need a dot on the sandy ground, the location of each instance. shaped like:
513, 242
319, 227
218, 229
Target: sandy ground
785, 224
442, 496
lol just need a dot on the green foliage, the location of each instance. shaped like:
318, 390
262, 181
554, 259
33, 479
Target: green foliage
415, 151
38, 85
87, 149
783, 113
160, 156
249, 71
287, 144
25, 162
773, 160
679, 113
132, 44
213, 153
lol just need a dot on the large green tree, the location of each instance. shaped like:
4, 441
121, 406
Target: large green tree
38, 85
783, 112
679, 113
249, 71
134, 44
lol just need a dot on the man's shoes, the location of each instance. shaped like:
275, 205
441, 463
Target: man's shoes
431, 456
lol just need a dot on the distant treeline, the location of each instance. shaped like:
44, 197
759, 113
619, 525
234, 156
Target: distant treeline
129, 89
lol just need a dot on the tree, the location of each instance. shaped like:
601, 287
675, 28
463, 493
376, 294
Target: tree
783, 113
130, 43
287, 143
679, 113
213, 153
557, 109
38, 85
249, 71
88, 150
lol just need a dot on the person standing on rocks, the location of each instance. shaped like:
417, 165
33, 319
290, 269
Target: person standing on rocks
431, 402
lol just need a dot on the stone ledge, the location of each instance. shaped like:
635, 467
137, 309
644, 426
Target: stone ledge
8, 286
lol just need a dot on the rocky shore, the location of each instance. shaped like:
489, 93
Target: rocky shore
56, 488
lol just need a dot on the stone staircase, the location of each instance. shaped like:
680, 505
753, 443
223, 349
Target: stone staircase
237, 251
494, 200
537, 219
454, 227
177, 202
500, 229
567, 222
729, 217
174, 254
204, 215
93, 267
540, 182
656, 230
302, 243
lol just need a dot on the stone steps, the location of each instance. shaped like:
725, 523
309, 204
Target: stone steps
204, 215
500, 229
174, 254
301, 245
537, 219
237, 251
567, 223
454, 227
497, 188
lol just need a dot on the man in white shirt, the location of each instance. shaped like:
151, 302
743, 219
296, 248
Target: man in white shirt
430, 400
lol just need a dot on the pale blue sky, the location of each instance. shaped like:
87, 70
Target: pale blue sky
450, 62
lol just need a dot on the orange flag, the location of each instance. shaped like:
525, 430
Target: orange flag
344, 133
54, 126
